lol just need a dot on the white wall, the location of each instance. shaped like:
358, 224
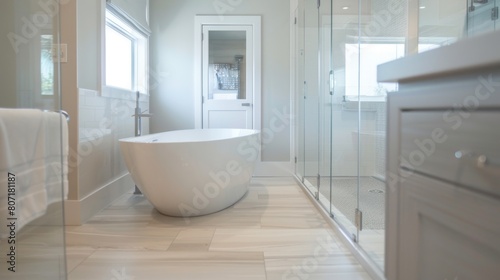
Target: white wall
97, 172
137, 9
102, 120
8, 57
172, 63
443, 18
88, 36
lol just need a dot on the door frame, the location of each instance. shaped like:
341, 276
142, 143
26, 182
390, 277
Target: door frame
255, 22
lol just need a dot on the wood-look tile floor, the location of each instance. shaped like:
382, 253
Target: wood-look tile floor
273, 232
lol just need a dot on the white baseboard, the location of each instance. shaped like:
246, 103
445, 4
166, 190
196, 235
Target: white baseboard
273, 169
77, 212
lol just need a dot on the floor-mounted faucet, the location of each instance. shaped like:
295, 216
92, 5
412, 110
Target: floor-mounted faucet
138, 124
138, 116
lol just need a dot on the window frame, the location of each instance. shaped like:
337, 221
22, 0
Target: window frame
123, 24
367, 41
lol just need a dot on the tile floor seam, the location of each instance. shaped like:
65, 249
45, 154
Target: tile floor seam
265, 266
211, 240
173, 240
81, 262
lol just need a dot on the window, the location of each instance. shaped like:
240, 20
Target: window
46, 65
119, 59
429, 43
368, 56
126, 57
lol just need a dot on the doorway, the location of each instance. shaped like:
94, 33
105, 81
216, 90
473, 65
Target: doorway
228, 69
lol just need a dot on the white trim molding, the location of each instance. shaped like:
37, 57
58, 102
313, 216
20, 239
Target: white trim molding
77, 212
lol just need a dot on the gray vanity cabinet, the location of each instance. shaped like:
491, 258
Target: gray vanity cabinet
443, 170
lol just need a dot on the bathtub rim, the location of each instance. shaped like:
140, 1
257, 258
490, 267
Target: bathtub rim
148, 138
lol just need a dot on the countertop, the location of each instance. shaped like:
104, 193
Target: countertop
465, 55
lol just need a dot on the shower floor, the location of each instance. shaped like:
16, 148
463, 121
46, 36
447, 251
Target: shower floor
371, 199
345, 200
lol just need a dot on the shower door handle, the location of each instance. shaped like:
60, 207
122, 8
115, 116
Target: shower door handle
246, 104
332, 82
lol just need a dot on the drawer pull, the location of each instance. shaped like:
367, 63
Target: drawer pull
482, 161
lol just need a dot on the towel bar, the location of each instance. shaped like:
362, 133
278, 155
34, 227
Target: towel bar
65, 114
62, 112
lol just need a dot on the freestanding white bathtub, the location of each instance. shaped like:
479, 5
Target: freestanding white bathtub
192, 172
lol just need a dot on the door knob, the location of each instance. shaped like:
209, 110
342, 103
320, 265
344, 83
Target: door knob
246, 104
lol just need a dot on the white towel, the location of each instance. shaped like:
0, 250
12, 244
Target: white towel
31, 149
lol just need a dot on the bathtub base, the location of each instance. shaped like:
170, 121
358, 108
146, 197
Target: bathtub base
186, 210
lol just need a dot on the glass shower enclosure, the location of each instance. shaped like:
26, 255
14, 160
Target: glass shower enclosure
340, 108
29, 77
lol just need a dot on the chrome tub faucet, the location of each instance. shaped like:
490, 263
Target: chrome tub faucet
138, 116
138, 124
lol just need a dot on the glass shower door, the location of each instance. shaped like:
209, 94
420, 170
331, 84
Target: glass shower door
325, 102
344, 117
30, 79
300, 90
496, 15
311, 98
482, 16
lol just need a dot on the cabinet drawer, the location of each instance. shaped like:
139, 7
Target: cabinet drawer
460, 147
447, 232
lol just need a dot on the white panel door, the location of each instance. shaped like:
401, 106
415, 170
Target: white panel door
228, 76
